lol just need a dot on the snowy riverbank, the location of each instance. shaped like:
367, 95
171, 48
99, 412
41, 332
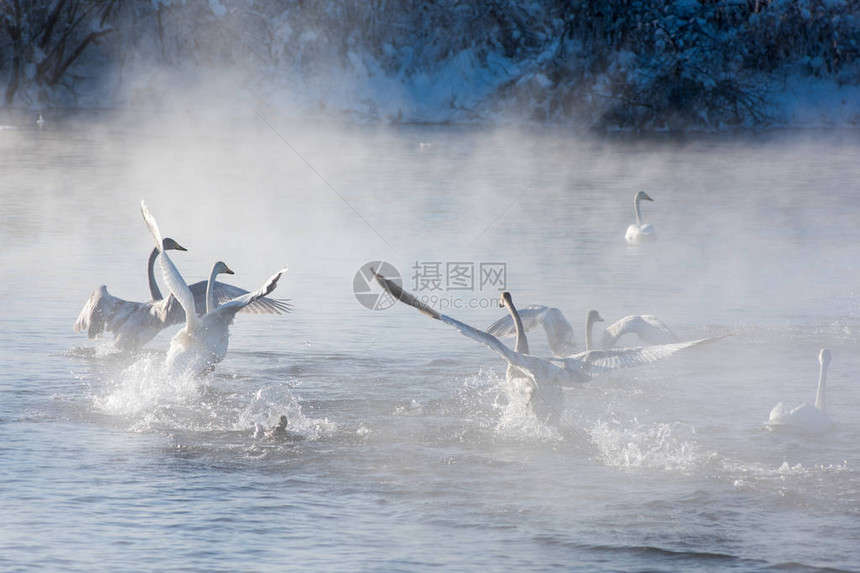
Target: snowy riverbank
670, 65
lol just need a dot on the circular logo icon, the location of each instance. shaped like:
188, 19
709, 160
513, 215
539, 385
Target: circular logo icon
369, 292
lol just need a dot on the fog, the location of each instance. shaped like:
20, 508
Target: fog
756, 236
753, 229
443, 139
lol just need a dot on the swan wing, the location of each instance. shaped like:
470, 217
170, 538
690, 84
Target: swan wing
632, 234
225, 292
532, 365
777, 413
600, 361
653, 330
525, 362
559, 332
175, 314
647, 327
95, 315
532, 317
234, 305
105, 312
133, 323
177, 285
541, 371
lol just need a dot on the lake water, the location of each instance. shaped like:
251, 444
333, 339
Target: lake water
408, 451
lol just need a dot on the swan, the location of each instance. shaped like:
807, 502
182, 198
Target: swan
542, 372
136, 323
806, 418
545, 401
40, 121
203, 341
133, 323
647, 327
559, 332
638, 232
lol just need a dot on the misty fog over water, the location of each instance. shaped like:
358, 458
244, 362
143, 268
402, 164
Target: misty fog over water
407, 450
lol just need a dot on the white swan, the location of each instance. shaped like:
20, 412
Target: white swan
547, 400
203, 341
638, 232
545, 373
806, 418
136, 323
40, 121
133, 323
647, 327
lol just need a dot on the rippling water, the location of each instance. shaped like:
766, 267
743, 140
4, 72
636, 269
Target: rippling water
407, 450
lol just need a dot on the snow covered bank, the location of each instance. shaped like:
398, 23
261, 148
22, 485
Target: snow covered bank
672, 64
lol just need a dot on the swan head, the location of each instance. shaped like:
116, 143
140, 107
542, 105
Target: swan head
505, 300
221, 268
594, 316
169, 244
824, 357
642, 196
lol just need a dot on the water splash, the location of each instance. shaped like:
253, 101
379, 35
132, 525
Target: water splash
503, 408
272, 401
669, 446
146, 396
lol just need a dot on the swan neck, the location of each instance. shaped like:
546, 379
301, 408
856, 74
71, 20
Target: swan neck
589, 326
822, 382
210, 291
154, 291
636, 210
522, 343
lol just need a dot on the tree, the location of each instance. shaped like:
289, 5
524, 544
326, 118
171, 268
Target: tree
47, 37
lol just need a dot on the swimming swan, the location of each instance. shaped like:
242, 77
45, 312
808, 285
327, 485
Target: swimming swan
637, 232
136, 323
203, 341
806, 418
573, 369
